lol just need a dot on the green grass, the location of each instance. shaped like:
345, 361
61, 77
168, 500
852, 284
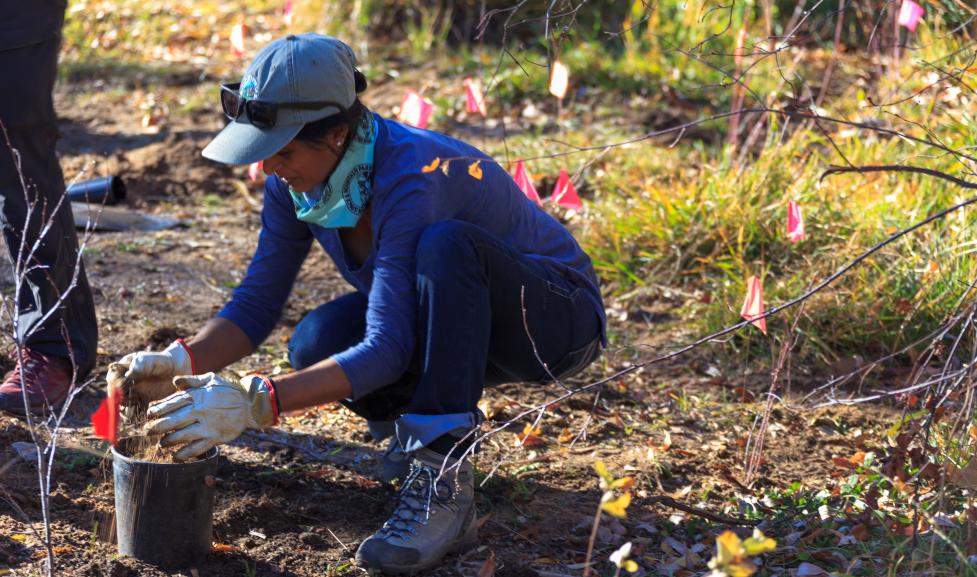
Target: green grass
691, 217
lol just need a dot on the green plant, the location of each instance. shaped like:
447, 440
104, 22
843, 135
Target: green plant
93, 541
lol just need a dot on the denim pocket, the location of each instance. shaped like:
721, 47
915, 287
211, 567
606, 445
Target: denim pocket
568, 293
577, 360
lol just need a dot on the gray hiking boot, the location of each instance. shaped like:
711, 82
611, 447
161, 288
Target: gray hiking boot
395, 463
430, 521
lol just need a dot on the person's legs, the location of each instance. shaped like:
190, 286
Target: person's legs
486, 309
55, 271
329, 329
333, 328
478, 298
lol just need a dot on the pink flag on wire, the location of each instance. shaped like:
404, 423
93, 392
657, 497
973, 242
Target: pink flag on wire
287, 12
564, 194
255, 169
753, 305
910, 14
105, 421
795, 222
415, 110
559, 79
474, 97
238, 34
525, 183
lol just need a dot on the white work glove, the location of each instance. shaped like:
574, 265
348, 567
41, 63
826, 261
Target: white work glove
210, 410
146, 376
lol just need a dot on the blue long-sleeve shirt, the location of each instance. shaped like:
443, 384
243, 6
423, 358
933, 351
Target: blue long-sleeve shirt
405, 201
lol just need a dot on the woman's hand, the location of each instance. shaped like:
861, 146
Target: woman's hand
210, 410
146, 376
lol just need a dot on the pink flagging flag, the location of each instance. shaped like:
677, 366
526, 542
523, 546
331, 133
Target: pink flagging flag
287, 12
795, 222
238, 34
255, 169
474, 97
415, 110
564, 194
910, 14
105, 421
753, 305
559, 79
525, 183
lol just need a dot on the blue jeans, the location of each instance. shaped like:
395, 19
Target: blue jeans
470, 333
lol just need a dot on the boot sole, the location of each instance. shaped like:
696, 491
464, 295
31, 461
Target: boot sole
464, 543
35, 412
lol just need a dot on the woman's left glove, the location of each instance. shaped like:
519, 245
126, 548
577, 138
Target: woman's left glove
210, 410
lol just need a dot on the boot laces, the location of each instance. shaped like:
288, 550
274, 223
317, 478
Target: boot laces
420, 493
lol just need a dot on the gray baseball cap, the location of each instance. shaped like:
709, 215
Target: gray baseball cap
297, 68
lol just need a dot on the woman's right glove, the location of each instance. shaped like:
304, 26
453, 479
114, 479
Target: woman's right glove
146, 376
210, 410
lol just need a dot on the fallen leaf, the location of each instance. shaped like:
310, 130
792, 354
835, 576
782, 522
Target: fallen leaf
544, 561
809, 570
488, 566
682, 493
486, 408
965, 477
531, 437
842, 463
566, 435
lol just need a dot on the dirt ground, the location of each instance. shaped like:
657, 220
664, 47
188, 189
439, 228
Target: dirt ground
297, 500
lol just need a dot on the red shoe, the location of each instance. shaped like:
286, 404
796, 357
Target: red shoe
47, 379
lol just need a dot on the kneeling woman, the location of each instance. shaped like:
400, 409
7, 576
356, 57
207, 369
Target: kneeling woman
443, 265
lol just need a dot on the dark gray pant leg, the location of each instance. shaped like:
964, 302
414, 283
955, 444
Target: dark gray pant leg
27, 112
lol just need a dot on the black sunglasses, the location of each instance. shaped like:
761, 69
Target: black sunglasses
259, 113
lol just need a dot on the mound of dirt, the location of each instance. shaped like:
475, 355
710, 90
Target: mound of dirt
171, 168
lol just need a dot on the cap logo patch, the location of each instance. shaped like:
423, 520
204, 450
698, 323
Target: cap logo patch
249, 87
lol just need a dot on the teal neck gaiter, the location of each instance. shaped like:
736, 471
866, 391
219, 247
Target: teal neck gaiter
341, 199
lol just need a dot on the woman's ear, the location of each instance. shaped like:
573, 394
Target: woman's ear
338, 136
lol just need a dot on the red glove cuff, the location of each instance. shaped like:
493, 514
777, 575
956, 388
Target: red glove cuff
276, 404
193, 364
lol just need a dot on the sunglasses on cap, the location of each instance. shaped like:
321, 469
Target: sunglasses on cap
260, 113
